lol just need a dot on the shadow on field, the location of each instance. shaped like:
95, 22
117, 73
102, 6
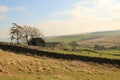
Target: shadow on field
22, 49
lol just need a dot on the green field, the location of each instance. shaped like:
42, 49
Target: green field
107, 39
111, 54
68, 38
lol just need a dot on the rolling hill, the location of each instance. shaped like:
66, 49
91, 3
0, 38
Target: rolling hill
85, 36
102, 37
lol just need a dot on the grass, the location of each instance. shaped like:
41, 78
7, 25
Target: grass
5, 77
21, 67
111, 54
67, 39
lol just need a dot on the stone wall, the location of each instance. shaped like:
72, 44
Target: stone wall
20, 49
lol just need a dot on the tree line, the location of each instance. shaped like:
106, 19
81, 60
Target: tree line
101, 47
24, 32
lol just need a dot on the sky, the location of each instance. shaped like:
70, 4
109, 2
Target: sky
60, 17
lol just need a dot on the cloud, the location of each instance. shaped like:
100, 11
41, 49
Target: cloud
102, 3
19, 9
85, 16
3, 9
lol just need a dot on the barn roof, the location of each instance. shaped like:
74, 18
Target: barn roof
37, 41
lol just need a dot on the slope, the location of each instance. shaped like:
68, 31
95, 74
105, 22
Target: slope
21, 67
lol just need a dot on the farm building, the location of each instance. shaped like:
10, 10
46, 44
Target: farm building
37, 42
42, 43
54, 45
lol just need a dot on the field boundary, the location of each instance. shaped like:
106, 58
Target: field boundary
19, 49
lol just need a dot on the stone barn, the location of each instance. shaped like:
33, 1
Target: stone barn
54, 45
37, 42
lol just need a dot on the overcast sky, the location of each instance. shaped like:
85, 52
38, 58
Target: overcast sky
60, 17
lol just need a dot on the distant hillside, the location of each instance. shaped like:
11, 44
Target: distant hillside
86, 36
5, 40
107, 32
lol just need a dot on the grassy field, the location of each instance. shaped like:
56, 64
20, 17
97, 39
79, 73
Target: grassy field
111, 54
21, 67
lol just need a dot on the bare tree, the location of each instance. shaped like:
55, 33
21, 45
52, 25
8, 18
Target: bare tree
15, 32
29, 32
24, 32
35, 33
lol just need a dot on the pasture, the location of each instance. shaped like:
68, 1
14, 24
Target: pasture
22, 67
110, 54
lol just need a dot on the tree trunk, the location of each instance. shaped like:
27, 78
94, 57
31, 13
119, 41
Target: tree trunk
11, 38
17, 39
27, 39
